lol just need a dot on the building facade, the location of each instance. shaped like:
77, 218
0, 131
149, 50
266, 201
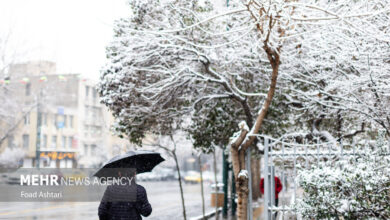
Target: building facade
64, 111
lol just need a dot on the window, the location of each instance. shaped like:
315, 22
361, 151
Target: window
63, 143
26, 141
94, 93
44, 118
86, 91
92, 113
54, 141
86, 130
44, 141
10, 141
93, 150
40, 116
71, 121
70, 142
28, 89
86, 111
65, 119
98, 111
95, 111
55, 120
27, 119
116, 149
85, 149
98, 130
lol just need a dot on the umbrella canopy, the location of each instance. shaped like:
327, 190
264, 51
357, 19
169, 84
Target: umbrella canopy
141, 161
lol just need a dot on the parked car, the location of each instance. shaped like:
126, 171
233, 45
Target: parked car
192, 177
14, 177
3, 177
146, 176
182, 174
158, 174
166, 174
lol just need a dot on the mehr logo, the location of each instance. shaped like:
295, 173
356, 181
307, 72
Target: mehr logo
39, 180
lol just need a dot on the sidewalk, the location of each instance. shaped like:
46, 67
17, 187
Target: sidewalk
258, 209
285, 199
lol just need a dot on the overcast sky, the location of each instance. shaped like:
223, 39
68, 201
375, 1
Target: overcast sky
72, 33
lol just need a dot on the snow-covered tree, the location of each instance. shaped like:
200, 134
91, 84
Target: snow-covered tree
167, 77
356, 187
341, 82
9, 118
213, 125
13, 109
170, 57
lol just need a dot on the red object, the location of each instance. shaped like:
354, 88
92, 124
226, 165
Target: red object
278, 186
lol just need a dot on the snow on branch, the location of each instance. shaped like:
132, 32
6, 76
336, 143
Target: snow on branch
243, 126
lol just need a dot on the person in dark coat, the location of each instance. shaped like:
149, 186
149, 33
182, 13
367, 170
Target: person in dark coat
124, 202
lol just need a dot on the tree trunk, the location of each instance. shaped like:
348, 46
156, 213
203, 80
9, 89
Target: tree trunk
242, 143
180, 185
201, 186
242, 192
238, 160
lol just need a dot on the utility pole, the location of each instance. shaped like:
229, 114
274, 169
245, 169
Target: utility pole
225, 175
38, 139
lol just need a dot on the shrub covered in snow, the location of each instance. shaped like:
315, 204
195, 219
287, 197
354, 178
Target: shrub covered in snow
354, 188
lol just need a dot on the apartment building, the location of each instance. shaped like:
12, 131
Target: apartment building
74, 127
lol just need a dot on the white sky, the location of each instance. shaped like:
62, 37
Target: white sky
72, 33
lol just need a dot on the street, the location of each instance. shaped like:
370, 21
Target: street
163, 196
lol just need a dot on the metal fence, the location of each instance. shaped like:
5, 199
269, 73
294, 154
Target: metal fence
281, 159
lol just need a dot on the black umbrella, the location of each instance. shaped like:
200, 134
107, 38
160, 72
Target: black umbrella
141, 161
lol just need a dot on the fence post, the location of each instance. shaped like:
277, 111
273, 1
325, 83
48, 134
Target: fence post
272, 189
389, 145
233, 196
267, 191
